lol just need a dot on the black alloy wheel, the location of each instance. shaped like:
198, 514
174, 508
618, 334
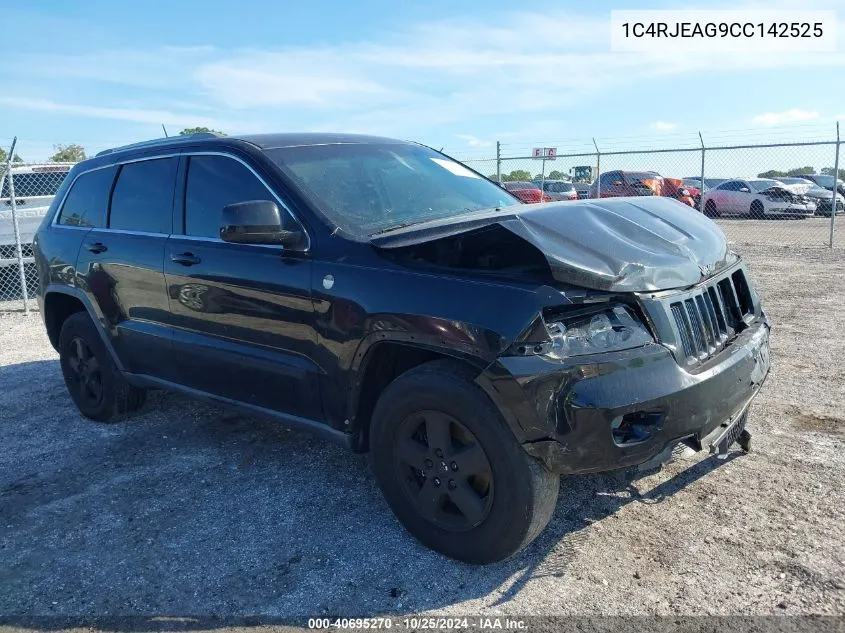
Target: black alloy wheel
85, 374
444, 470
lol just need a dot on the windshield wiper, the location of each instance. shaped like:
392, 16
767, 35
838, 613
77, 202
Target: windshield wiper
396, 227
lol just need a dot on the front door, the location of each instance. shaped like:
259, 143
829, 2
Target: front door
242, 314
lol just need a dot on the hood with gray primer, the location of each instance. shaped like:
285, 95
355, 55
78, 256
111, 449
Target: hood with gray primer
639, 244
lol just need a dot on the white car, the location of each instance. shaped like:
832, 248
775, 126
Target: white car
35, 188
758, 198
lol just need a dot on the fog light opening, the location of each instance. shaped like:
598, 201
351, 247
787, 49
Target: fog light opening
633, 428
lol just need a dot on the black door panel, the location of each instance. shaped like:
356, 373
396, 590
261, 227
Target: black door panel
244, 324
126, 283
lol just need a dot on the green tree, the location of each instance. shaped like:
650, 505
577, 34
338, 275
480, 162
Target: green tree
68, 153
800, 171
4, 154
517, 174
557, 175
828, 171
200, 130
772, 173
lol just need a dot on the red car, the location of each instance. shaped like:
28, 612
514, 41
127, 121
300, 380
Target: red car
639, 183
526, 191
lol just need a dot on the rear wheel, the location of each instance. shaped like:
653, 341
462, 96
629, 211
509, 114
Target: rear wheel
710, 209
756, 210
96, 386
452, 471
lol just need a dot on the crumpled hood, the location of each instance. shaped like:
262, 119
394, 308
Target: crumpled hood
637, 244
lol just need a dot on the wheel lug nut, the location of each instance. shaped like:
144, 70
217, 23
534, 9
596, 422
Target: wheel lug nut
438, 452
436, 482
429, 463
454, 466
452, 484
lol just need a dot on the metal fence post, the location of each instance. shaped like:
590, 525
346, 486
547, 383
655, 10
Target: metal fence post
16, 227
498, 162
701, 188
835, 187
598, 169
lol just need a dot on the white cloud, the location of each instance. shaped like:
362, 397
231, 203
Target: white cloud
663, 126
473, 141
519, 67
785, 118
135, 115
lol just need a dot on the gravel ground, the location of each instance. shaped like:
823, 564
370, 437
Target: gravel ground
191, 509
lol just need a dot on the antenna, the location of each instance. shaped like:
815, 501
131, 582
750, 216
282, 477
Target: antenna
166, 135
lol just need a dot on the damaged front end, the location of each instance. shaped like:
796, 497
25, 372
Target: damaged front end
789, 200
648, 330
616, 384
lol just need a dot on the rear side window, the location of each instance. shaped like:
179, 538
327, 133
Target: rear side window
88, 199
213, 183
143, 196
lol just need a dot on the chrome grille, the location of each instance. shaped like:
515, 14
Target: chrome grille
710, 316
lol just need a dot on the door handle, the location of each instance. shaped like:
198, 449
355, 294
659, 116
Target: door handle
186, 259
96, 247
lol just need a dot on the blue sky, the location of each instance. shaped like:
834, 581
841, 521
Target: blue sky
458, 75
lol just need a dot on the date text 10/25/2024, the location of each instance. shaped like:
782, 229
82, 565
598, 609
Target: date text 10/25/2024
420, 623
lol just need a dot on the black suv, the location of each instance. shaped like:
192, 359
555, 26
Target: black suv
385, 296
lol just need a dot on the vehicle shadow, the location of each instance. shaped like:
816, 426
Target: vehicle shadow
191, 509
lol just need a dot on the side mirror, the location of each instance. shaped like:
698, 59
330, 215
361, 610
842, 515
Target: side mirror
744, 190
255, 222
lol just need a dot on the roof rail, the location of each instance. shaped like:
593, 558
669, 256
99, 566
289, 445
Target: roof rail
182, 138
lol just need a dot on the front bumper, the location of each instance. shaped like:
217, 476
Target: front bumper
570, 412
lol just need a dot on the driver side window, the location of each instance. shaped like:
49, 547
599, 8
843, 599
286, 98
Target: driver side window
213, 183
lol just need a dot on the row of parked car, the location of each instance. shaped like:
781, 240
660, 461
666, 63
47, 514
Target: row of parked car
803, 196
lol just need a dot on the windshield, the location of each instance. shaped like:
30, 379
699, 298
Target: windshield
760, 185
367, 188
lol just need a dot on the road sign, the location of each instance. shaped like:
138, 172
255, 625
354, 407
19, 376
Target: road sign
545, 153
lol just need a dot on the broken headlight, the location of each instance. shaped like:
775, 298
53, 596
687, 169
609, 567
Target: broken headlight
607, 331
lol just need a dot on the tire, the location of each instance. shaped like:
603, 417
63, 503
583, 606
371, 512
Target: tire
710, 209
483, 517
756, 210
96, 386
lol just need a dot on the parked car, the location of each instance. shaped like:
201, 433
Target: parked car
818, 194
582, 189
709, 183
526, 191
35, 187
557, 190
387, 297
619, 183
826, 181
757, 198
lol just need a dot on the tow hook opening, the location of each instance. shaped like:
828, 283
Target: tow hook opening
633, 428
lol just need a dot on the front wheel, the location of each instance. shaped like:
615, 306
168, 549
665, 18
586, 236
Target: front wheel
452, 471
756, 210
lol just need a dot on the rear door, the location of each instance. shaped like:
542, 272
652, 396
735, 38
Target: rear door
121, 266
243, 316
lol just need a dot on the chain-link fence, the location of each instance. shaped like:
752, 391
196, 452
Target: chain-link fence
781, 194
26, 194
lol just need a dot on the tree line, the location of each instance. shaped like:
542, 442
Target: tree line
521, 174
799, 171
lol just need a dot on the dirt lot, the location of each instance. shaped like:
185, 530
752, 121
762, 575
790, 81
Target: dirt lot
195, 510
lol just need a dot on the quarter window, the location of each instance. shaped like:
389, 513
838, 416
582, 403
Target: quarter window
143, 196
88, 199
213, 183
